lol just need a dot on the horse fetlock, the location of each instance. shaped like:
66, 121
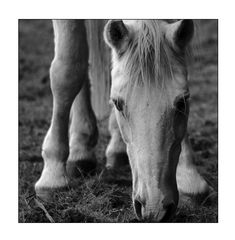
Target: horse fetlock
53, 149
55, 154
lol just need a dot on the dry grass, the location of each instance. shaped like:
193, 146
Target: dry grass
105, 197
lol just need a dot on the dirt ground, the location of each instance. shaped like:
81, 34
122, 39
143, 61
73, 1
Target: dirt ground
100, 198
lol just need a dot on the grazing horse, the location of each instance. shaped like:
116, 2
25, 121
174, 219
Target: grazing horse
149, 92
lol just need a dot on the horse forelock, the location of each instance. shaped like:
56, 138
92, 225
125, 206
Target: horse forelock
149, 57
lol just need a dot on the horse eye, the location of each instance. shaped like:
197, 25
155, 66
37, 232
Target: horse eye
181, 104
119, 103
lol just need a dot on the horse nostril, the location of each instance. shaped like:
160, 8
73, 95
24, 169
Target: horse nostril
138, 208
169, 211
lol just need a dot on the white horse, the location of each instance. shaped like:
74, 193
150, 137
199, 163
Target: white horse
150, 96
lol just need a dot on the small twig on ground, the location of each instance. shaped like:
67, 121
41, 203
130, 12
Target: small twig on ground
28, 200
40, 205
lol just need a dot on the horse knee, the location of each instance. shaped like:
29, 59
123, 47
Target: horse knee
67, 78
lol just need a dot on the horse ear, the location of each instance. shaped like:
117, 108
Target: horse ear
116, 35
180, 33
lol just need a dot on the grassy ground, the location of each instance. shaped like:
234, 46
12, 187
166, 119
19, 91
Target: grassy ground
106, 197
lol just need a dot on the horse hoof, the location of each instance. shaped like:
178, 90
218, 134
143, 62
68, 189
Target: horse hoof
79, 168
203, 198
117, 160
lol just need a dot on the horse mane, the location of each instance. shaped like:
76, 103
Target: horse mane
149, 58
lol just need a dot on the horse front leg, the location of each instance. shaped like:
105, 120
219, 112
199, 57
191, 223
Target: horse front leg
67, 73
83, 134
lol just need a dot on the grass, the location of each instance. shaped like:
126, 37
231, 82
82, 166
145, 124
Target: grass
106, 196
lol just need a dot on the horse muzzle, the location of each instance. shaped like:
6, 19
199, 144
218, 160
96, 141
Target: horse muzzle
162, 212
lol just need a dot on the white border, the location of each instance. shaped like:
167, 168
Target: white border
11, 11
